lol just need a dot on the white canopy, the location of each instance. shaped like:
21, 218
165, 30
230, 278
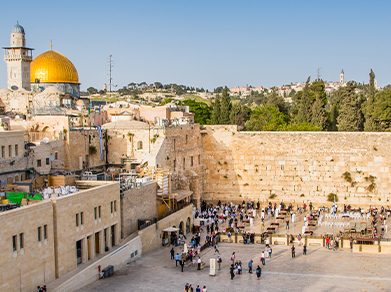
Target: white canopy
171, 229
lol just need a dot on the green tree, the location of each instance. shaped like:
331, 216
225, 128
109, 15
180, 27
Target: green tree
266, 118
318, 114
235, 112
382, 110
278, 101
216, 111
305, 107
370, 124
92, 90
202, 111
225, 108
348, 119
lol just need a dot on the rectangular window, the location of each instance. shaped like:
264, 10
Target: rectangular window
115, 206
174, 164
184, 163
2, 152
199, 159
186, 139
47, 161
45, 232
174, 144
77, 219
39, 234
111, 207
81, 218
191, 160
56, 155
16, 150
21, 240
99, 211
95, 211
38, 162
9, 151
14, 242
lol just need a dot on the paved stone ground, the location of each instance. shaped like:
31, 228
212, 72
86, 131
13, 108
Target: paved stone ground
320, 270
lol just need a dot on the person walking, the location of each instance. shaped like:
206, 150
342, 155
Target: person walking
176, 259
219, 262
287, 224
199, 263
293, 251
250, 266
263, 258
198, 289
305, 249
233, 258
270, 252
216, 249
204, 289
231, 270
172, 252
258, 272
182, 263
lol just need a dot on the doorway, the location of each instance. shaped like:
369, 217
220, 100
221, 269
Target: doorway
78, 252
97, 243
113, 235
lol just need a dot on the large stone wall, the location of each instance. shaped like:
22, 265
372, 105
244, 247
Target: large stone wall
139, 203
296, 167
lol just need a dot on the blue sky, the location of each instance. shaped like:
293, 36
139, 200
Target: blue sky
208, 43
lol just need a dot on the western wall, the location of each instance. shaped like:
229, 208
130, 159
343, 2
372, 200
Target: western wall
296, 167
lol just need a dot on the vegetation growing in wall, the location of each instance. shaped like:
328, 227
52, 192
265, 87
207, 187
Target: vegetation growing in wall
245, 185
225, 176
331, 196
130, 134
153, 140
348, 177
92, 149
371, 187
302, 195
239, 175
272, 196
65, 131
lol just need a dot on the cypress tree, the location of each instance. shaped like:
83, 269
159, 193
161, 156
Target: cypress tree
349, 112
225, 108
318, 114
305, 108
216, 111
370, 124
236, 111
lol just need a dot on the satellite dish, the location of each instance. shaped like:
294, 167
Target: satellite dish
14, 87
46, 140
51, 158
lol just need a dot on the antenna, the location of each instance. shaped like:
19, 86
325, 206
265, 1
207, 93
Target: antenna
111, 65
318, 75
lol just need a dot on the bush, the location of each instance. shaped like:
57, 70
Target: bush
330, 197
92, 149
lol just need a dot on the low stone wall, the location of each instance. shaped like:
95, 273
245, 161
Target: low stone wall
118, 258
151, 236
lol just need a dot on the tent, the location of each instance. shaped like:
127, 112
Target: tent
171, 229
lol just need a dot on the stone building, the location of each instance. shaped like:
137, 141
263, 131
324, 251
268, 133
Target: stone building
48, 239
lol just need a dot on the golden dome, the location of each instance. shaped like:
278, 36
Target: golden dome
52, 67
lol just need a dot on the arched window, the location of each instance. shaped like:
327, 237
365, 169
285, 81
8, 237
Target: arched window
139, 145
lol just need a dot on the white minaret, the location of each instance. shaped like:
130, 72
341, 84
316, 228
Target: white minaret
342, 78
18, 59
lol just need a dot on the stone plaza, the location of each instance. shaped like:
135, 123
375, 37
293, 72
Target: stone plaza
319, 270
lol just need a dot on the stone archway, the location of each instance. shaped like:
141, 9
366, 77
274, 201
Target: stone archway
188, 225
181, 227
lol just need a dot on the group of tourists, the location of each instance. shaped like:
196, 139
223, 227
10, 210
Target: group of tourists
189, 288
